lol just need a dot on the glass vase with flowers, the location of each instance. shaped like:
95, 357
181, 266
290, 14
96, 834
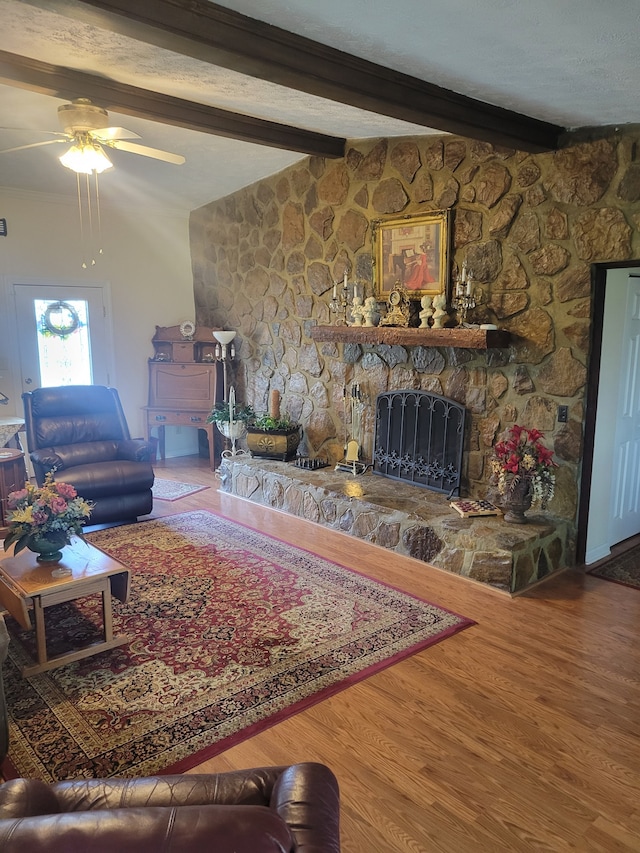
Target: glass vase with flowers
44, 518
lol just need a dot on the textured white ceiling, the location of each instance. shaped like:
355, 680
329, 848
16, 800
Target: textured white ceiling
572, 62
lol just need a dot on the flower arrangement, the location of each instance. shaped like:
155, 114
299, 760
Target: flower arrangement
521, 457
53, 512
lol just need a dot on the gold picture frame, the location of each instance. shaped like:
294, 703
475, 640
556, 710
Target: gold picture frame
412, 250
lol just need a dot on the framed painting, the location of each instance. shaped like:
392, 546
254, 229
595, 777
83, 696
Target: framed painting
412, 250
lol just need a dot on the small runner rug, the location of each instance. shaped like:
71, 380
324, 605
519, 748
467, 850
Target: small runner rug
624, 569
232, 630
172, 490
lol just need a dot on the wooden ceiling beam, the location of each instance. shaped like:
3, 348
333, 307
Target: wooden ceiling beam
222, 37
59, 82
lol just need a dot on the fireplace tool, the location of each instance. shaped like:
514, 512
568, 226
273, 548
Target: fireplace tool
352, 448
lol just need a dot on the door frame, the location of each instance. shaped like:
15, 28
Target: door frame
13, 332
598, 289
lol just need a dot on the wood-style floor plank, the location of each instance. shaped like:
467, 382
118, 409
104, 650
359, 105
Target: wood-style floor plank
521, 733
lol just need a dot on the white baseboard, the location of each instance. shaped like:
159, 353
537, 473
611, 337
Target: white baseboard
595, 554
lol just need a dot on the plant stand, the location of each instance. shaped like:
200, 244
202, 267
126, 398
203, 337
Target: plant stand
233, 430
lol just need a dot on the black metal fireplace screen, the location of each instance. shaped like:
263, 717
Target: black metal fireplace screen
419, 438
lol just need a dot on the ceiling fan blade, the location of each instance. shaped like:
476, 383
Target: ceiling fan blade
107, 133
33, 145
35, 130
134, 148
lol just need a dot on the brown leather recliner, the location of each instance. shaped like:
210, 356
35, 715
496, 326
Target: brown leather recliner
264, 810
81, 432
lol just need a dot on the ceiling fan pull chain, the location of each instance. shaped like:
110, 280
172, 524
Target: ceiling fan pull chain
90, 217
82, 241
98, 215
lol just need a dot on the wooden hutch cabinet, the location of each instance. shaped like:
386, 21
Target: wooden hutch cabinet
185, 382
12, 478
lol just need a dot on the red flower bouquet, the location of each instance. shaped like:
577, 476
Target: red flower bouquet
520, 456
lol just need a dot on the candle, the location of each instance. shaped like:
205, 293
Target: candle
469, 287
335, 292
464, 272
274, 404
345, 281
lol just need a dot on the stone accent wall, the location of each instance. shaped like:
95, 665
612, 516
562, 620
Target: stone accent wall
265, 260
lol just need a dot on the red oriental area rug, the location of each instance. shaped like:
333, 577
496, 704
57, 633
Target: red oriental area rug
233, 631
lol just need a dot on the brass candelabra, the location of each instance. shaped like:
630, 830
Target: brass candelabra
466, 297
339, 302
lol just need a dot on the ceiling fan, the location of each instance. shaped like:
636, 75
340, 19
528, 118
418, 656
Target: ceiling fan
85, 127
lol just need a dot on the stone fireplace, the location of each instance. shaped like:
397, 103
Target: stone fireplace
421, 443
530, 226
408, 520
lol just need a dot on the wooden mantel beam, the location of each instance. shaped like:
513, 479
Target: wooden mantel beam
59, 82
222, 37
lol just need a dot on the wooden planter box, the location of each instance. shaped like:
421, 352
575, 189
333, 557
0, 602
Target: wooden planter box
278, 444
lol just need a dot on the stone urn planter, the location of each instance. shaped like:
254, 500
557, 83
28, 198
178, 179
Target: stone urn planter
516, 501
279, 444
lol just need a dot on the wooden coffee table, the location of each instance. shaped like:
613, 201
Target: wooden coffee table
26, 585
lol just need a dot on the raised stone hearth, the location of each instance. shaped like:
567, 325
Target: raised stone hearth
408, 520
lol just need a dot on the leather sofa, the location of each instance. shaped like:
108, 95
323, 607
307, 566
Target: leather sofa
81, 432
291, 809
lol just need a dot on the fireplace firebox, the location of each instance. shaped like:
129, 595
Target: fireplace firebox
419, 439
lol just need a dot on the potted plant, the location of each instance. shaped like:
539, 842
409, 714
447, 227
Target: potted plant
273, 437
231, 419
524, 470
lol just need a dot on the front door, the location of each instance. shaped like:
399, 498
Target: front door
625, 491
62, 335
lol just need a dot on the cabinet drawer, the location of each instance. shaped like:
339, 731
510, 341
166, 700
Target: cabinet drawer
161, 418
183, 352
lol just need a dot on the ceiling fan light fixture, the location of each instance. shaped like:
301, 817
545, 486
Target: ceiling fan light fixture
85, 158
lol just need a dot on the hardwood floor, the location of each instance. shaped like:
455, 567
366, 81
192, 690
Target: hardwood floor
521, 733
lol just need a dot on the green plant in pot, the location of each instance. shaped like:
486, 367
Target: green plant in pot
231, 418
273, 436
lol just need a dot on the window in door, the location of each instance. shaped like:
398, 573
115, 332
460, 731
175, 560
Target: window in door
64, 352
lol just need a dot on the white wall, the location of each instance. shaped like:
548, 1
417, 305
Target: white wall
146, 263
